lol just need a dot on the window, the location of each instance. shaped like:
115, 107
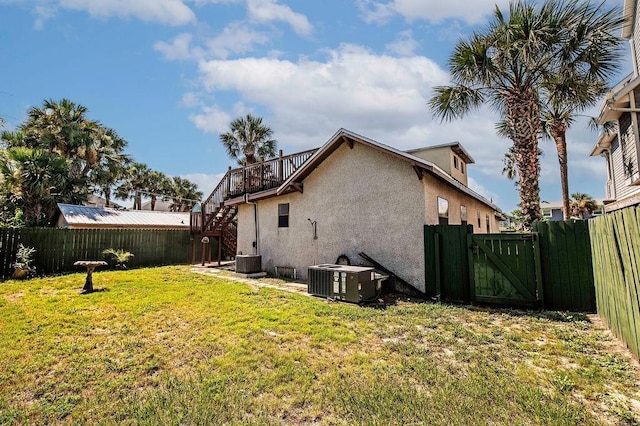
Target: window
463, 215
462, 167
443, 211
283, 215
455, 161
547, 212
488, 223
479, 220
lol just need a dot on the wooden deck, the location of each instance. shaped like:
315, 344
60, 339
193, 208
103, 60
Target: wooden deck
217, 219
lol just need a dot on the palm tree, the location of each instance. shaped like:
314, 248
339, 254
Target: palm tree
576, 88
32, 181
135, 182
248, 140
582, 205
506, 65
185, 195
93, 151
159, 185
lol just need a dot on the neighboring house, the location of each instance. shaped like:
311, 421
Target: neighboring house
85, 217
553, 210
352, 195
621, 148
160, 206
96, 201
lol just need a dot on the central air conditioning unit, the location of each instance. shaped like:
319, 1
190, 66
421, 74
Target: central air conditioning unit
343, 282
248, 264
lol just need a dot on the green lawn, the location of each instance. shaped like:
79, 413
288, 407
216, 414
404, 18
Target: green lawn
165, 346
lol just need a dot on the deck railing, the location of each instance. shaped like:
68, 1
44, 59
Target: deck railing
248, 180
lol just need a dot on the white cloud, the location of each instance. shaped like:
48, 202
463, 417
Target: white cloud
354, 87
270, 11
179, 48
170, 12
480, 189
206, 182
212, 119
471, 12
379, 96
235, 38
43, 13
404, 45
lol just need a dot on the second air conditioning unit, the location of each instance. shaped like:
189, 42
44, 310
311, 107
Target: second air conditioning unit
343, 282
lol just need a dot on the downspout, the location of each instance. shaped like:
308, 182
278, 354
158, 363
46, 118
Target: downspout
611, 179
255, 223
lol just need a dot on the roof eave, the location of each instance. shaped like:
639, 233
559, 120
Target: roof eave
629, 13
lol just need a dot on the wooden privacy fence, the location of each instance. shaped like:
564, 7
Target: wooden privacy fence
615, 244
548, 268
58, 249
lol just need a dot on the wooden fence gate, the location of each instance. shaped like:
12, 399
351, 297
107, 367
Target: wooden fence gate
550, 268
505, 269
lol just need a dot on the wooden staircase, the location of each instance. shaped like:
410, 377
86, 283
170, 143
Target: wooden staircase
217, 216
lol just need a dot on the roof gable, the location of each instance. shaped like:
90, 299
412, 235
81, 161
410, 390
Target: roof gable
344, 136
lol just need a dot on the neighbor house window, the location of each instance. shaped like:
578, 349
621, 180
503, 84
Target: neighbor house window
443, 211
462, 167
455, 161
283, 215
547, 212
488, 223
479, 220
463, 215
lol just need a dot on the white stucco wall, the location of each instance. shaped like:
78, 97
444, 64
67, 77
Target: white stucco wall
362, 200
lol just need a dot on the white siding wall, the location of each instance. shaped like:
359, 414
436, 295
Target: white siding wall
362, 200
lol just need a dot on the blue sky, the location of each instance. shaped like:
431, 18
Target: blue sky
169, 76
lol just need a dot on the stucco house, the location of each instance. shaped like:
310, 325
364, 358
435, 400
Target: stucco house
621, 148
351, 195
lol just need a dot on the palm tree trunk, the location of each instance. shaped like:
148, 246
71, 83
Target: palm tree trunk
523, 118
153, 202
107, 195
558, 133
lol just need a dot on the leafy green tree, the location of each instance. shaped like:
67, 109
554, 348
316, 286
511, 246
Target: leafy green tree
248, 140
505, 66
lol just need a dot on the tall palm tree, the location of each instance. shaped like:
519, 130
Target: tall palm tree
135, 182
582, 205
505, 67
575, 88
159, 185
248, 140
185, 194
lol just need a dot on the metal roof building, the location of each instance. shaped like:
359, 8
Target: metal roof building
85, 217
